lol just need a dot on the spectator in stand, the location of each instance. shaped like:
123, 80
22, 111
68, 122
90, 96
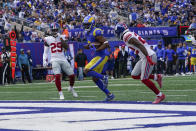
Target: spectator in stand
123, 57
133, 16
34, 35
110, 63
24, 66
80, 62
30, 64
140, 24
180, 64
160, 58
170, 54
27, 35
113, 14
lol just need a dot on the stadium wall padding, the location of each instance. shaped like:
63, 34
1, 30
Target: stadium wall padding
38, 48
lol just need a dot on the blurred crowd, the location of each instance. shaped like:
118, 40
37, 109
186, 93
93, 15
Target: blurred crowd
69, 14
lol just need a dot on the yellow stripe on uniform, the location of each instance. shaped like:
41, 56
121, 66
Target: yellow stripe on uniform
193, 61
97, 63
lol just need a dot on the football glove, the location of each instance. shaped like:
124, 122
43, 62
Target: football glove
45, 63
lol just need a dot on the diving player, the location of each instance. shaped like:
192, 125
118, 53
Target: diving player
98, 44
148, 59
55, 44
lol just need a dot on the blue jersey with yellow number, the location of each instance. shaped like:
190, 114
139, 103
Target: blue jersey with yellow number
91, 38
193, 52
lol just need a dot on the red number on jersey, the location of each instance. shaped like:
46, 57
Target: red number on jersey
140, 38
56, 47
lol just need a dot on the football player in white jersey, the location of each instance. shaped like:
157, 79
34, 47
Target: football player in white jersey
56, 45
148, 59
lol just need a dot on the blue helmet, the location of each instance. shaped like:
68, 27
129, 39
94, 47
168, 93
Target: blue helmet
88, 23
119, 29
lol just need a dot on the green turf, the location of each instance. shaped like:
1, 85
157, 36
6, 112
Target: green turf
179, 89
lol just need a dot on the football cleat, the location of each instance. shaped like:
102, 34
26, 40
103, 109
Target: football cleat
159, 99
109, 97
74, 93
105, 81
159, 80
61, 95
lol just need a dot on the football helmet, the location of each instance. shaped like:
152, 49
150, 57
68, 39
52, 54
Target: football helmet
54, 30
192, 32
88, 23
119, 29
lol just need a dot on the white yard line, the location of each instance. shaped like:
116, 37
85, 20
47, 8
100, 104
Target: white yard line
176, 95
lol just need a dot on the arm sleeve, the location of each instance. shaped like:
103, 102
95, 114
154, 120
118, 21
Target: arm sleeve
45, 55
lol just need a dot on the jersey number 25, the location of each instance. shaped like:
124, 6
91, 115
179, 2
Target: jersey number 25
56, 47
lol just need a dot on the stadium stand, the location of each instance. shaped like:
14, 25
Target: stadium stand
37, 16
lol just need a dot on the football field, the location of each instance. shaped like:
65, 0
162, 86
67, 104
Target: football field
178, 89
37, 106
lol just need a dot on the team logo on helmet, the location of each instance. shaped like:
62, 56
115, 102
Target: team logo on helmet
88, 23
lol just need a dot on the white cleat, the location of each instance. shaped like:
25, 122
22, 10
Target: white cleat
61, 95
177, 74
74, 93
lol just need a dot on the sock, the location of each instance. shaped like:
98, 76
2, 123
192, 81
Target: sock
58, 81
160, 94
151, 85
99, 83
60, 93
95, 74
71, 80
153, 77
136, 77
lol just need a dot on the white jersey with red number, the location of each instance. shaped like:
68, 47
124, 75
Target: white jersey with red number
129, 35
55, 48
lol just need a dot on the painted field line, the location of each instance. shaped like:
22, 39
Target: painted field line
87, 96
176, 95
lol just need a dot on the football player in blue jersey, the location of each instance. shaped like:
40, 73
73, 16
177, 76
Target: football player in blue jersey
98, 44
192, 35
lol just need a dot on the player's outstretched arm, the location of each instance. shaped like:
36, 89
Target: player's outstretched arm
104, 43
45, 55
87, 46
140, 46
64, 44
